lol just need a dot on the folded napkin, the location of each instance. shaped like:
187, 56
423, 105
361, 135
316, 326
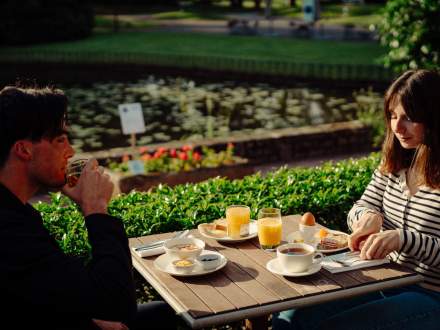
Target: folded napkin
150, 252
349, 261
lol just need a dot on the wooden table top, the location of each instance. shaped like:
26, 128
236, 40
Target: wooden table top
245, 289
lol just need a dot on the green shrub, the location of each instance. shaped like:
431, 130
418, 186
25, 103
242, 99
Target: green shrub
328, 191
411, 32
36, 21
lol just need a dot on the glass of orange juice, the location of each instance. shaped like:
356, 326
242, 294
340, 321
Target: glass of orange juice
237, 220
269, 228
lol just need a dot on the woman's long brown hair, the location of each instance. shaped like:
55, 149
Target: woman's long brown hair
419, 93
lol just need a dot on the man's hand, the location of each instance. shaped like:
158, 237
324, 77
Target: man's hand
368, 224
379, 245
110, 325
93, 189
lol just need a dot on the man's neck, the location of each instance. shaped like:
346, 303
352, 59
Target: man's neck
17, 182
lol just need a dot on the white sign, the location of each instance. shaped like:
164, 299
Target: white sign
132, 118
136, 167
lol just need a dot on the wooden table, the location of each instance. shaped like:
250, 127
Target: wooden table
244, 289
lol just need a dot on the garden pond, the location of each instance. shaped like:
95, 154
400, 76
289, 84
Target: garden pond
181, 109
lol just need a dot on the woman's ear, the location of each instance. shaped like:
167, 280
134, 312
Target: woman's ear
23, 149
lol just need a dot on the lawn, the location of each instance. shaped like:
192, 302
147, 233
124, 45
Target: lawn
361, 15
258, 48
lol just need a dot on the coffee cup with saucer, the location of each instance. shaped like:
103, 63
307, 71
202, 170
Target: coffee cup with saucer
296, 259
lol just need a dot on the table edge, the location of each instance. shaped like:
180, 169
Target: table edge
207, 321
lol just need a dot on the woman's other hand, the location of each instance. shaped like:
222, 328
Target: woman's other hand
379, 245
368, 224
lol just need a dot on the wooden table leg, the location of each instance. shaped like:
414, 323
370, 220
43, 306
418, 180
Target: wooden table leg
257, 323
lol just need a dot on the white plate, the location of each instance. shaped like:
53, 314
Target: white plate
164, 264
275, 267
253, 232
291, 239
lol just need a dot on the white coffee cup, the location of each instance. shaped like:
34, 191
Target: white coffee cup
308, 233
298, 257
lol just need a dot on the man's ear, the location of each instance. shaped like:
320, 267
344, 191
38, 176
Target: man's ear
23, 149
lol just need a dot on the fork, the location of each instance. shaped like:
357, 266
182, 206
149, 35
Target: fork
157, 244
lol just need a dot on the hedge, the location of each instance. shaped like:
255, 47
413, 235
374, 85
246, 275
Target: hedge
328, 191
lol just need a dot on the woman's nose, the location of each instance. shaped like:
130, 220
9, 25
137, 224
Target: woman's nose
400, 126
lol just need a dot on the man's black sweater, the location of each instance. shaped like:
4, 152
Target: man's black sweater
43, 288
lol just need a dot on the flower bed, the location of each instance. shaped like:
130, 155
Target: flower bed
178, 166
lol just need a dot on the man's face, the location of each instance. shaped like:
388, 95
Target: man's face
49, 160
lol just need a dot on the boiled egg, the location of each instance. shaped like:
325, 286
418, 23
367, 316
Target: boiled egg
308, 219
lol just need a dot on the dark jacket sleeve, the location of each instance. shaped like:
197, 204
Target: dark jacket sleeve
37, 274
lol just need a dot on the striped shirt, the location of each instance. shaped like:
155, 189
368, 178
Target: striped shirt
416, 217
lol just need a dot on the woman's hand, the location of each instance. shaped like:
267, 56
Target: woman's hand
378, 246
368, 224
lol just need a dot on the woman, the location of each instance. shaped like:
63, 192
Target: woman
398, 215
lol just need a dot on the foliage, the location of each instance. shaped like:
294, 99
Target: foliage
36, 21
370, 111
176, 160
411, 32
328, 191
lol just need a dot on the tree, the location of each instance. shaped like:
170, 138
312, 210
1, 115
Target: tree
411, 32
35, 21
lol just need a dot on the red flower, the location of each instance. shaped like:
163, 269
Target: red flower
183, 156
145, 157
197, 156
160, 152
143, 150
187, 148
125, 158
173, 153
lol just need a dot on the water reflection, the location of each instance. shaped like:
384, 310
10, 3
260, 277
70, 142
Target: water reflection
179, 109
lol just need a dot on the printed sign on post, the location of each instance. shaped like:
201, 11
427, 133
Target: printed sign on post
136, 167
132, 118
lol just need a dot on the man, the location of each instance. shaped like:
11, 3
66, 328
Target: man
42, 287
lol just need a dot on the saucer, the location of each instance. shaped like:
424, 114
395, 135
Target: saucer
164, 264
275, 267
253, 232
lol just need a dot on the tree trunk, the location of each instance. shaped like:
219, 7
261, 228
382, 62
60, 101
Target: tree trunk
237, 3
257, 4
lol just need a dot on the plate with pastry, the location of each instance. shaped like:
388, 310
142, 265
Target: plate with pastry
325, 240
331, 240
218, 230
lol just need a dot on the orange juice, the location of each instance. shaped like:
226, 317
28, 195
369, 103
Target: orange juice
237, 219
269, 232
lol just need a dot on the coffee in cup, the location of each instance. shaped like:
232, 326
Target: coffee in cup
297, 257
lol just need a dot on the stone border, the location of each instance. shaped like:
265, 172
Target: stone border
289, 144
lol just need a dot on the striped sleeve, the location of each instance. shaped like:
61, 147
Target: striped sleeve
371, 200
422, 247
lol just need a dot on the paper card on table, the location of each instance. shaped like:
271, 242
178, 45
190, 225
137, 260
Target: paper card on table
343, 262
